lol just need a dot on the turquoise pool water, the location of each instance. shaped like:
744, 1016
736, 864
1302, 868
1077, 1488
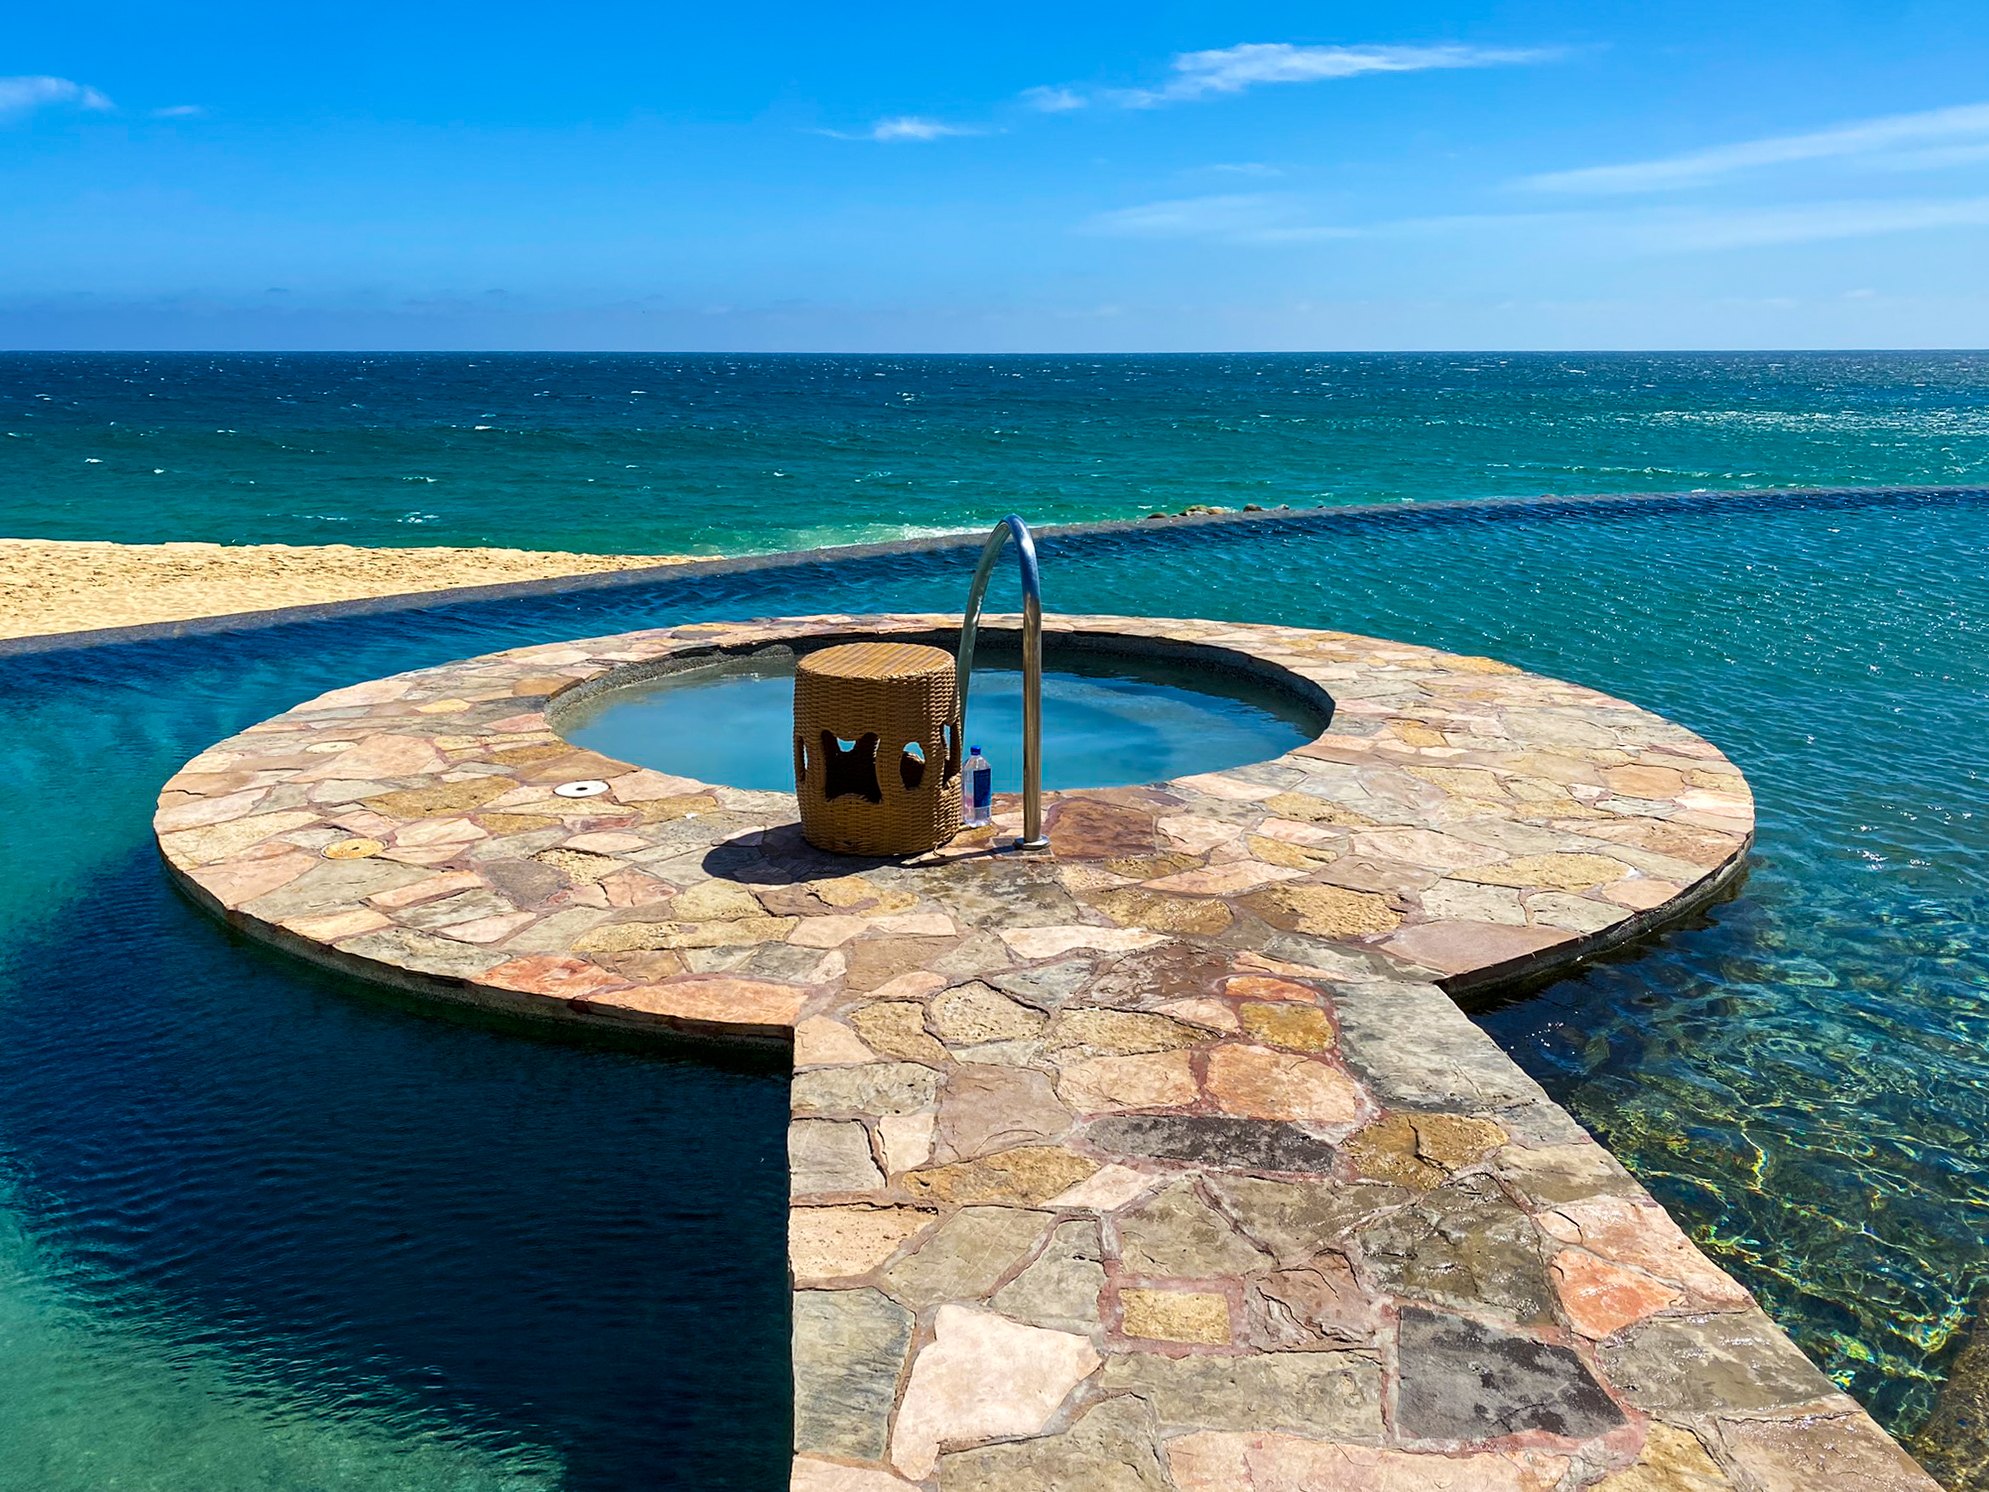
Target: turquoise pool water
260, 1229
1104, 725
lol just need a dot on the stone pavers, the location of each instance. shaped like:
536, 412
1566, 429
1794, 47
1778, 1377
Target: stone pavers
1162, 1161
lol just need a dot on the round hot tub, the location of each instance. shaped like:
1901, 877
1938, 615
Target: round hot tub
1109, 720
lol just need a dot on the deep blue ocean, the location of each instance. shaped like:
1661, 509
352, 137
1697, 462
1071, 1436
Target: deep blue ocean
263, 1229
646, 454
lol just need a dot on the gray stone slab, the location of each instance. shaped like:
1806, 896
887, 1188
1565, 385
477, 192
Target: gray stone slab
1468, 901
1462, 1380
1736, 1362
965, 1256
1214, 1140
1328, 1395
1515, 838
1563, 725
1329, 958
423, 952
334, 886
873, 1088
1046, 988
1061, 1288
516, 846
1542, 1123
1462, 1245
849, 1348
784, 963
1295, 1220
1580, 914
466, 906
557, 933
1113, 1447
978, 953
1555, 1174
1416, 1048
825, 1156
527, 883
1812, 1455
716, 960
1177, 1233
1006, 894
1267, 774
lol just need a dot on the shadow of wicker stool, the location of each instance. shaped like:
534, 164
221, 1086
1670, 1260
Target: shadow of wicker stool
876, 750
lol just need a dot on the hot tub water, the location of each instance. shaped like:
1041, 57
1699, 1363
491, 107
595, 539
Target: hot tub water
1106, 723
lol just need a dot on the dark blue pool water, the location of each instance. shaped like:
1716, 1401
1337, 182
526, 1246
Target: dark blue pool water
1109, 725
260, 1230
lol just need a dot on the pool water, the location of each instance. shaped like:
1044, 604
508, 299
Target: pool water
1104, 725
261, 1228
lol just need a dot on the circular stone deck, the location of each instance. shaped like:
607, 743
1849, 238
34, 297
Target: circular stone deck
1163, 1160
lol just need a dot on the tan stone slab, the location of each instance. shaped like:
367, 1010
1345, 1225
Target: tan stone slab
1672, 1460
1175, 1316
1262, 1083
235, 882
1324, 911
1150, 1080
227, 841
830, 1243
718, 1001
1807, 1454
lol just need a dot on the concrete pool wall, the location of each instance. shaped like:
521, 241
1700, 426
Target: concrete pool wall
1165, 1160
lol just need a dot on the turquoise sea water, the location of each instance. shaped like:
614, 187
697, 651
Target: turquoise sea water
262, 1229
711, 454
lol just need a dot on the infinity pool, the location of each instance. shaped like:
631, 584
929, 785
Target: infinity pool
260, 1228
1105, 723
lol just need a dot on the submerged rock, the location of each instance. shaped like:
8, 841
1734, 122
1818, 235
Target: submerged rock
1954, 1444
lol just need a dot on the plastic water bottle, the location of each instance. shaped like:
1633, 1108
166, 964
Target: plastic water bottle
977, 790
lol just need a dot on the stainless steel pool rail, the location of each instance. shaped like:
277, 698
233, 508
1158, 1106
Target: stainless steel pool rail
1032, 666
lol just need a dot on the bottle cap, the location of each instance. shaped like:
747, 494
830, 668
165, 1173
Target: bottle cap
973, 751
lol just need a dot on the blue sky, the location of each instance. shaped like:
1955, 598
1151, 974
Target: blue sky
1108, 177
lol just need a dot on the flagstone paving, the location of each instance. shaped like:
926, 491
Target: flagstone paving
1164, 1160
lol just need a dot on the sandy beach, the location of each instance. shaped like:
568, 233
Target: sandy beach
55, 585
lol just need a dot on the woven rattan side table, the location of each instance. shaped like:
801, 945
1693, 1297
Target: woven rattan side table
876, 748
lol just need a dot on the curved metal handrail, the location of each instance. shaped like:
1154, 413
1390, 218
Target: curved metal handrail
1032, 666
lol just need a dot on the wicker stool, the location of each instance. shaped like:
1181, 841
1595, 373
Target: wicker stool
895, 789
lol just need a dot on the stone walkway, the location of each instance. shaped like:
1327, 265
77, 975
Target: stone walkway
1162, 1161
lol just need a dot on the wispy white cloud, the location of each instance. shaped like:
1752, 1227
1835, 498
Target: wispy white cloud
180, 111
24, 95
1269, 218
1235, 217
1242, 168
1809, 222
1876, 141
906, 127
1234, 69
1054, 100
